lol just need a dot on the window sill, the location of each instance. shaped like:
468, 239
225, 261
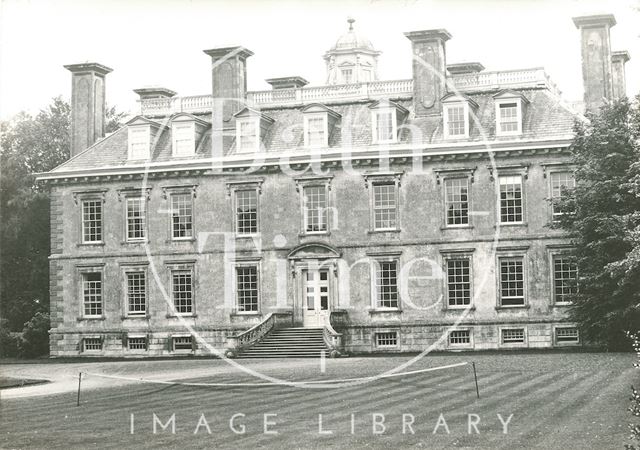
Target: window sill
138, 241
503, 308
189, 239
246, 314
385, 311
90, 244
314, 233
247, 236
458, 308
511, 224
82, 318
395, 230
175, 316
456, 227
561, 305
140, 317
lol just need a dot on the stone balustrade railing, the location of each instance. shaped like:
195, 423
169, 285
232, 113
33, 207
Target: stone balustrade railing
246, 339
392, 89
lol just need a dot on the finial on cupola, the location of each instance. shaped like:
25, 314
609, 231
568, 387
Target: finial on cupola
351, 20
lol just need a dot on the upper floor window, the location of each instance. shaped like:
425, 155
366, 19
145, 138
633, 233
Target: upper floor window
315, 208
456, 199
181, 211
511, 199
509, 112
384, 201
384, 126
246, 211
136, 218
560, 182
319, 122
139, 142
91, 221
247, 135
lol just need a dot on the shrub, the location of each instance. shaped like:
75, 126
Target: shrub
8, 344
35, 336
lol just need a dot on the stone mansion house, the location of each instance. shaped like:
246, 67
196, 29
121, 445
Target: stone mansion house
359, 216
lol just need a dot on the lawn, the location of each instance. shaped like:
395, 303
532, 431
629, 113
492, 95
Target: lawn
549, 399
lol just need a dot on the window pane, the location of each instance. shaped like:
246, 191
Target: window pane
387, 284
182, 291
181, 215
511, 209
92, 221
136, 218
247, 288
137, 293
512, 281
457, 201
315, 208
247, 211
565, 278
459, 282
384, 206
92, 293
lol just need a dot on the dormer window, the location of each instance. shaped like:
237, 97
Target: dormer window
186, 131
141, 133
139, 145
251, 129
183, 139
456, 114
386, 118
319, 122
509, 113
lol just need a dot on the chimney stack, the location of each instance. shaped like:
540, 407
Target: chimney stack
618, 61
87, 104
596, 58
429, 69
229, 78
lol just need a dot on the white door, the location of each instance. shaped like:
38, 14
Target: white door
315, 297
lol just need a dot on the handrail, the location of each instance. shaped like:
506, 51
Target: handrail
254, 334
332, 339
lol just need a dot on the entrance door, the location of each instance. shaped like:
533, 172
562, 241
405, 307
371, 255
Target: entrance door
316, 297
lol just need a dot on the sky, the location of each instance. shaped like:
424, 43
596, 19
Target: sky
160, 42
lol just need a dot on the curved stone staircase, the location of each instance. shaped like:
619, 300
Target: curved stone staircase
289, 343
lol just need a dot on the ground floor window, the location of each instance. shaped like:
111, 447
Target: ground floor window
247, 288
459, 337
459, 282
182, 343
387, 339
567, 335
512, 281
136, 293
565, 278
512, 336
137, 343
182, 291
92, 344
92, 293
386, 278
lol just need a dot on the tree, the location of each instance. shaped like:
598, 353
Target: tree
605, 223
29, 145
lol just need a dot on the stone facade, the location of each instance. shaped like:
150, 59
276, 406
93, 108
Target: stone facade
414, 165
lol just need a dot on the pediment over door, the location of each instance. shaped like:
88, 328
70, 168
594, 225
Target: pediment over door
313, 250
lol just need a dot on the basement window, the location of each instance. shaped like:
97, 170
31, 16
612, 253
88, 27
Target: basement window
567, 335
460, 338
510, 336
182, 343
92, 344
387, 339
137, 343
